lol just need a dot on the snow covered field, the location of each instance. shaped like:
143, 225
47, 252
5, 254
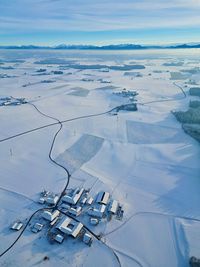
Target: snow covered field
144, 158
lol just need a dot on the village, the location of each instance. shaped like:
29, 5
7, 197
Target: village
10, 101
72, 215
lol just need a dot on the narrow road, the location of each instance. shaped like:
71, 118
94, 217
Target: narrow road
56, 123
151, 213
168, 99
60, 123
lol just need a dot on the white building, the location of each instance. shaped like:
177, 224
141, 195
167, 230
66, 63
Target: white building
70, 227
52, 200
103, 198
54, 221
64, 223
74, 198
41, 200
97, 211
83, 201
113, 206
90, 200
50, 216
75, 211
17, 226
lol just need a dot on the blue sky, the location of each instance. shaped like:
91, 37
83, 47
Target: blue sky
52, 22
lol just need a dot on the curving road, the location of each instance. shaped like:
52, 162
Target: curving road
168, 99
56, 123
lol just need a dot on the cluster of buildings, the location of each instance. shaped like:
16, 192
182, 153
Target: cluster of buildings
4, 75
69, 217
9, 101
131, 105
126, 93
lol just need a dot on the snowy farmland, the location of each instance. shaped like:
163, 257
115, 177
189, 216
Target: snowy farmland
67, 131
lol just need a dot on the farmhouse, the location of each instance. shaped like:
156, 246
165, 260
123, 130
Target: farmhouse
74, 197
50, 216
70, 227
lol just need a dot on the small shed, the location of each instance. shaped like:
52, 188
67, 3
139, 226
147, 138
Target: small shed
90, 200
87, 239
41, 200
113, 206
94, 221
37, 227
59, 238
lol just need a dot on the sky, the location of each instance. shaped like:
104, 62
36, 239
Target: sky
99, 22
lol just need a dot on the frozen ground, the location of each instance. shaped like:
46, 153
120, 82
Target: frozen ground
143, 158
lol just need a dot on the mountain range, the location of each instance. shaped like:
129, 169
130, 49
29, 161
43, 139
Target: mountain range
103, 47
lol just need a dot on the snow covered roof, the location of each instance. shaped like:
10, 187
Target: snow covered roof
97, 211
59, 238
74, 198
113, 206
75, 211
70, 227
17, 226
50, 216
90, 200
87, 238
103, 197
52, 199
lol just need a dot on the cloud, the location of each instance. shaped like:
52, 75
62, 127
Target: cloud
30, 16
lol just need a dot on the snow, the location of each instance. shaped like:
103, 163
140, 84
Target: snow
144, 159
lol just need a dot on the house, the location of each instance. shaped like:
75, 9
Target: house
103, 198
113, 206
70, 227
97, 211
37, 227
74, 197
50, 216
17, 226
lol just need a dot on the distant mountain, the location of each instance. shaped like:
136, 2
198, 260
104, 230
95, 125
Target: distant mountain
25, 47
104, 47
181, 46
